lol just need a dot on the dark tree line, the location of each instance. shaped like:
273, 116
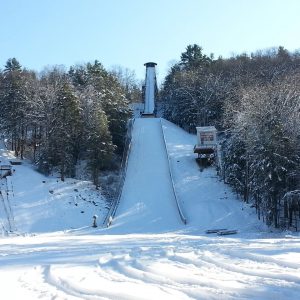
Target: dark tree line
255, 100
58, 118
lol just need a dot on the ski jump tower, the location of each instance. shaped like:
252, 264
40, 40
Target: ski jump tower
149, 90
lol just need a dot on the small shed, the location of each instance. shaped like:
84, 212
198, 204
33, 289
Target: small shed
206, 141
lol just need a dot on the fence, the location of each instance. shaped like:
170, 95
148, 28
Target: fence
112, 211
182, 217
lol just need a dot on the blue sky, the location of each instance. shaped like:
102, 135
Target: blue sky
131, 32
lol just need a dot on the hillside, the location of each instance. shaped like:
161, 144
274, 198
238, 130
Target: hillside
45, 204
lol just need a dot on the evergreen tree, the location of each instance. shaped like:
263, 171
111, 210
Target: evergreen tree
235, 164
194, 58
113, 101
12, 65
15, 96
99, 144
65, 130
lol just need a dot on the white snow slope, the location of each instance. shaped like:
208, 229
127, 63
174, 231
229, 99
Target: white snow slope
147, 203
159, 257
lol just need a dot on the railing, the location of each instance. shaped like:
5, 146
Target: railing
6, 203
182, 217
112, 211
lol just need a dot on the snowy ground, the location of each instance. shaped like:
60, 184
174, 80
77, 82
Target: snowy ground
45, 204
207, 202
169, 261
160, 266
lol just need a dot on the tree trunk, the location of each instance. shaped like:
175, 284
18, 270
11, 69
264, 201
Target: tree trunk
22, 142
34, 143
62, 170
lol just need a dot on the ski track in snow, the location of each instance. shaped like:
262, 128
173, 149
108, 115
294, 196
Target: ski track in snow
147, 253
164, 266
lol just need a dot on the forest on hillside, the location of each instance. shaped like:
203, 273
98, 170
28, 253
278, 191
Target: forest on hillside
57, 117
254, 101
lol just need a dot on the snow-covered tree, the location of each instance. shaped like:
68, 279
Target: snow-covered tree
268, 124
17, 94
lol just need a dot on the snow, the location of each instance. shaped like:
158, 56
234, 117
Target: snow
147, 203
147, 253
206, 200
45, 204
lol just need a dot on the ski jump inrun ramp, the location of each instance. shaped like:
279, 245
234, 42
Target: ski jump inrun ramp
147, 203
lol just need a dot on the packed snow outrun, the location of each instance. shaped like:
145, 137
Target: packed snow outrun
50, 250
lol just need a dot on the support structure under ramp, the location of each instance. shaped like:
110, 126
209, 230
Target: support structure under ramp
150, 90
